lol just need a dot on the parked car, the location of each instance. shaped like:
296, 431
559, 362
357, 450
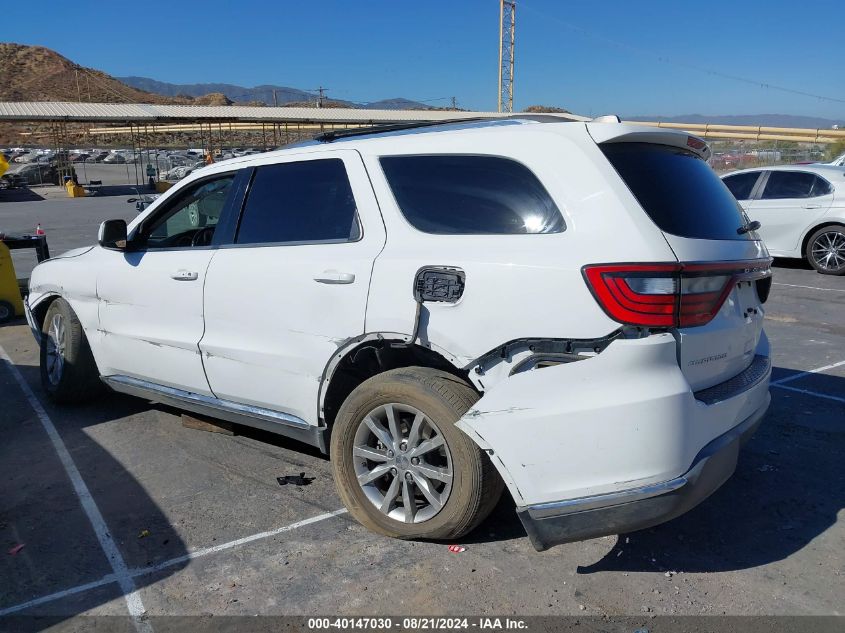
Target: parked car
564, 310
35, 174
115, 157
96, 157
801, 210
839, 161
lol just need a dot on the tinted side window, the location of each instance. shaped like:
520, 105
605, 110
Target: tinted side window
788, 184
308, 201
821, 187
459, 195
741, 185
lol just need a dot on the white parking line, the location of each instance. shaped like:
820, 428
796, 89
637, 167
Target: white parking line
806, 373
241, 541
105, 580
141, 571
810, 393
118, 565
776, 283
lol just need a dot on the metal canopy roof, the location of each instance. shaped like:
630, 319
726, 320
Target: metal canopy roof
148, 113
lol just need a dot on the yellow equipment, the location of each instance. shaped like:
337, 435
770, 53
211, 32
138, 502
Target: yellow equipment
74, 190
11, 304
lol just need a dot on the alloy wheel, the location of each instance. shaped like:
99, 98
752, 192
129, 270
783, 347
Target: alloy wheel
402, 463
56, 349
828, 251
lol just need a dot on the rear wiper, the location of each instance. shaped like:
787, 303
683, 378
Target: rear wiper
746, 228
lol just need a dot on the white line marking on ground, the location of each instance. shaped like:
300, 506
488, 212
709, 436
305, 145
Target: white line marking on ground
110, 578
105, 580
241, 541
110, 549
810, 393
776, 283
807, 373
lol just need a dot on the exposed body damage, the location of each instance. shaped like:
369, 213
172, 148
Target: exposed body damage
434, 301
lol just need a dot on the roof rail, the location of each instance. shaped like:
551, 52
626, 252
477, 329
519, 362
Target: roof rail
334, 135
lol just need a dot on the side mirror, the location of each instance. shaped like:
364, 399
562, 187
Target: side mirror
112, 234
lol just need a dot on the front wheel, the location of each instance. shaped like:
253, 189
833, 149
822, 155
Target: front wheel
401, 466
826, 250
68, 370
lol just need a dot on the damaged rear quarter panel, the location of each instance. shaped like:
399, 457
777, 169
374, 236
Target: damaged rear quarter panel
588, 427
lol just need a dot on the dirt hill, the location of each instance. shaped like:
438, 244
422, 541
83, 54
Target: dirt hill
35, 73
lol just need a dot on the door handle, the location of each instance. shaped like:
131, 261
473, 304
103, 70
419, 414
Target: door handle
184, 275
812, 206
334, 277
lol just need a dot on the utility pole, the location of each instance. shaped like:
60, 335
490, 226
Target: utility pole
275, 100
78, 92
507, 33
322, 92
454, 103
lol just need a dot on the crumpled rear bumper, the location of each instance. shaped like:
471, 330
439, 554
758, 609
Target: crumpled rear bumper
560, 522
616, 442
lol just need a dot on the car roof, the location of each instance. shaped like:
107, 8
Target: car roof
831, 172
407, 139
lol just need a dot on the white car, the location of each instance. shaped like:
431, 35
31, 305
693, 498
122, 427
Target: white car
801, 211
839, 161
566, 310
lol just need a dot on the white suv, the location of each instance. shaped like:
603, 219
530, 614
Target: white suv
568, 310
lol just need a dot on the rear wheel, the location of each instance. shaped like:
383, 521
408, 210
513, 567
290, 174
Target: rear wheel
401, 466
826, 250
68, 370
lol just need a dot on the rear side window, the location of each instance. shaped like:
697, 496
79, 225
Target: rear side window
679, 191
794, 184
309, 201
741, 185
460, 195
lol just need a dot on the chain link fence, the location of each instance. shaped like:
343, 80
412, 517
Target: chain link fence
732, 155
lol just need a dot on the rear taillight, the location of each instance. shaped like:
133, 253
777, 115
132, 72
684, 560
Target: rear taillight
668, 295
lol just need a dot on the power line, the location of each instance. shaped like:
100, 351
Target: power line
682, 64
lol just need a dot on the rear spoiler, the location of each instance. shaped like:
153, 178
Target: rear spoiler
627, 133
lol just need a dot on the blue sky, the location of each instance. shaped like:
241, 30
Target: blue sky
589, 57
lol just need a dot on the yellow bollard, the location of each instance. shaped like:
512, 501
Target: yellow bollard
11, 304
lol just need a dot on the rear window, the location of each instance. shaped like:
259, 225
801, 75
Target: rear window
679, 191
460, 195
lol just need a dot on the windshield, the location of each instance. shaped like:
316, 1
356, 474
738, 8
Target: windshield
679, 191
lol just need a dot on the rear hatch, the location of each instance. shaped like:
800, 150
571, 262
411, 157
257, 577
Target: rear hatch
712, 297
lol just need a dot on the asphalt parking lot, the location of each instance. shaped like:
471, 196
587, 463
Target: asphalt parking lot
122, 510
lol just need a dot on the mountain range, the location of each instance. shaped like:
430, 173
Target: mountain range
766, 120
36, 73
261, 94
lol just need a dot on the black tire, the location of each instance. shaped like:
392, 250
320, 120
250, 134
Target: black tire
825, 250
77, 378
7, 311
443, 399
